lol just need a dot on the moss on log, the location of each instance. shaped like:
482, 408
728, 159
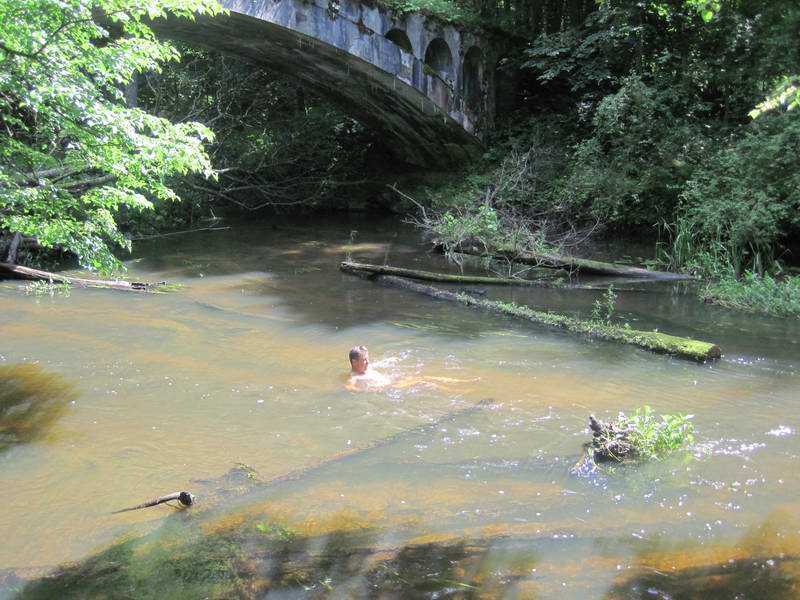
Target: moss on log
649, 340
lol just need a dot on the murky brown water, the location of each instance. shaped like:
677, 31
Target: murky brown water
245, 365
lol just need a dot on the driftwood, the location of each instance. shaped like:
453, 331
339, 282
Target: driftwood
18, 272
354, 267
185, 498
609, 441
573, 264
649, 340
370, 269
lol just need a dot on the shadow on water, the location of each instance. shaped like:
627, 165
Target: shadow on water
764, 564
31, 401
250, 558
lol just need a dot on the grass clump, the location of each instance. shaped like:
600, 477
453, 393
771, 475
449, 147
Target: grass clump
641, 436
755, 293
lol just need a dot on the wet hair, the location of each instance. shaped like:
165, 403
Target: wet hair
357, 352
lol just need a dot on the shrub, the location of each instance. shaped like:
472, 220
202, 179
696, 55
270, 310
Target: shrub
747, 196
755, 293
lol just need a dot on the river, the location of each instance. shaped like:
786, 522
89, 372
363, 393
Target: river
245, 365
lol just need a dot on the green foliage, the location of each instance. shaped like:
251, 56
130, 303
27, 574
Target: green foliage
449, 11
630, 170
644, 436
786, 95
481, 224
45, 288
660, 87
757, 293
276, 145
72, 154
603, 310
748, 195
654, 437
685, 250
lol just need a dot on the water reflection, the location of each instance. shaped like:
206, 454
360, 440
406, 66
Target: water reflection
31, 401
765, 563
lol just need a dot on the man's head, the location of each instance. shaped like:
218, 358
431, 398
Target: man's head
359, 359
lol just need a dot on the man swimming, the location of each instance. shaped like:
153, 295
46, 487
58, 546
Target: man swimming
362, 377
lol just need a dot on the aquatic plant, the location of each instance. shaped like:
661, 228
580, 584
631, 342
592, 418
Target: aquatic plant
604, 309
47, 288
641, 436
31, 401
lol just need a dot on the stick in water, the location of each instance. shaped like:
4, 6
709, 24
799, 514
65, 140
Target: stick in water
185, 498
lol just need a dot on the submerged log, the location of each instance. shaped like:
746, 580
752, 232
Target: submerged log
376, 444
650, 340
18, 272
571, 263
185, 498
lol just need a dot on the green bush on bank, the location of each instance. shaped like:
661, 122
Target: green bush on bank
755, 293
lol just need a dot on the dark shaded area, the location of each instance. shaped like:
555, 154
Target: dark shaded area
31, 401
756, 577
472, 77
439, 58
256, 558
400, 37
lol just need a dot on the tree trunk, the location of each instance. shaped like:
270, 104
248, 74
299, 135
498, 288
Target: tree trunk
649, 340
18, 272
356, 268
14, 248
580, 265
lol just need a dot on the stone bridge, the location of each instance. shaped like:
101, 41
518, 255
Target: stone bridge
426, 87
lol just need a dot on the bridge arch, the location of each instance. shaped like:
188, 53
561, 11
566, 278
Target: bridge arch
472, 78
400, 38
357, 56
439, 58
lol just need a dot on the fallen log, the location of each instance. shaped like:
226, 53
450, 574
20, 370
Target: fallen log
573, 264
354, 267
19, 272
185, 498
220, 489
368, 269
649, 340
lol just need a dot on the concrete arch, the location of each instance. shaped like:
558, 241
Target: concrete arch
472, 78
439, 58
345, 58
400, 38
